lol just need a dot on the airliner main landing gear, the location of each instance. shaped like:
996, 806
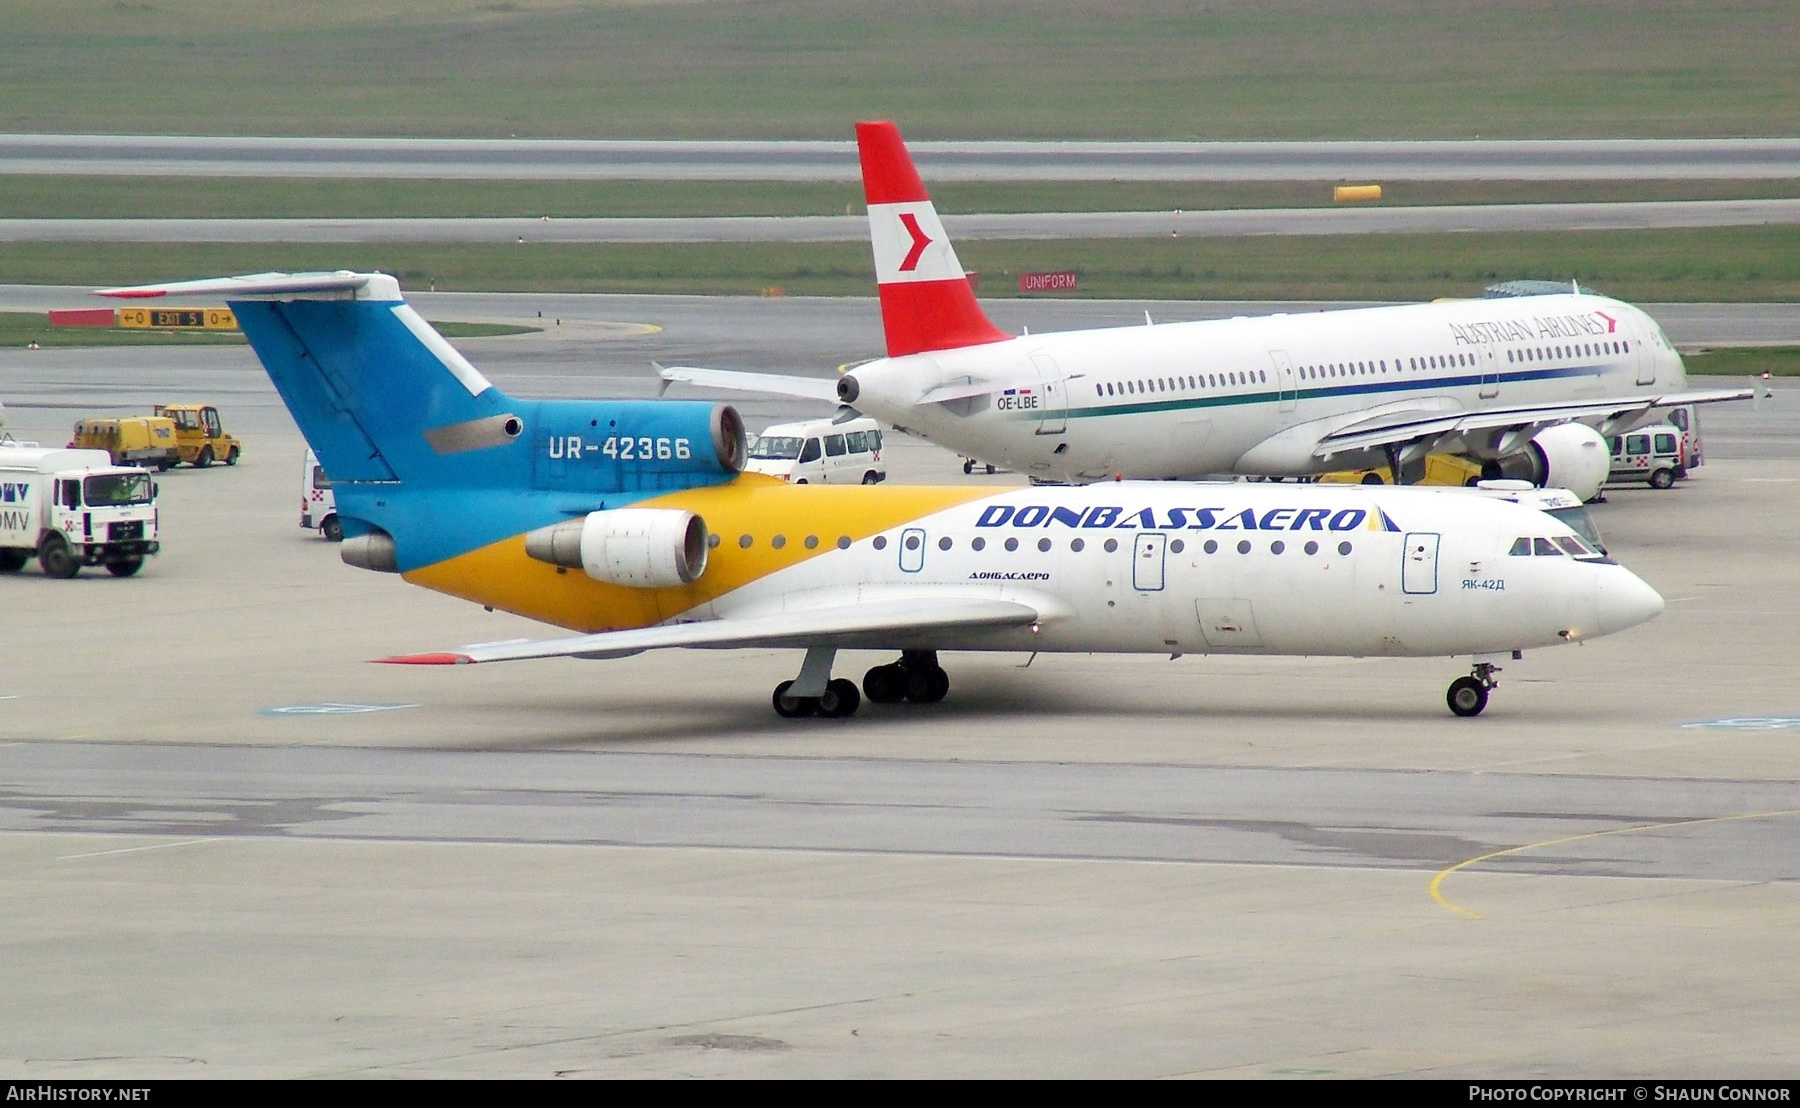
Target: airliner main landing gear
815, 692
1469, 695
916, 677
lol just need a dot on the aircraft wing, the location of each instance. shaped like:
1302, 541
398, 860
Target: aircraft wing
1408, 425
882, 623
812, 388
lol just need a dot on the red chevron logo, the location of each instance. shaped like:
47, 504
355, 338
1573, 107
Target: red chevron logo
920, 241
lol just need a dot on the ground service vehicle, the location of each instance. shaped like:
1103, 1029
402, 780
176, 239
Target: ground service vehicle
1687, 420
535, 506
200, 436
821, 452
1650, 454
73, 508
133, 440
1438, 469
318, 504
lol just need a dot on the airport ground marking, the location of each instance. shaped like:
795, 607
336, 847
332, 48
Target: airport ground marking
1438, 881
132, 849
1746, 723
330, 708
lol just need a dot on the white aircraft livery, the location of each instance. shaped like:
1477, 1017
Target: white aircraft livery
1531, 384
631, 523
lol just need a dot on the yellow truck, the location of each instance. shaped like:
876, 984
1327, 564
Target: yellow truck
147, 441
1440, 469
199, 435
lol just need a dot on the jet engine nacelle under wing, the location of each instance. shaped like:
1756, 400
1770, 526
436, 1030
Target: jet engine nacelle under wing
644, 548
1569, 456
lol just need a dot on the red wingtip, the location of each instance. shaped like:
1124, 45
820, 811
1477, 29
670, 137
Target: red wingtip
426, 660
133, 294
888, 174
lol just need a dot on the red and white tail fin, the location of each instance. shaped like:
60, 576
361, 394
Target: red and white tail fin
926, 301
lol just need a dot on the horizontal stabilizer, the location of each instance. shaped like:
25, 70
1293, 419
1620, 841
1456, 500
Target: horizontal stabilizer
880, 624
341, 285
773, 384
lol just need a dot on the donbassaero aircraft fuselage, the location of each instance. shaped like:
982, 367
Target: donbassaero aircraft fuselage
630, 523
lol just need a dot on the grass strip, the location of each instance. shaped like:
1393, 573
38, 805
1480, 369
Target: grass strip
1154, 69
1730, 264
1743, 361
89, 197
24, 328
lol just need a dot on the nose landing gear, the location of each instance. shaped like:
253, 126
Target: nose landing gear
1469, 695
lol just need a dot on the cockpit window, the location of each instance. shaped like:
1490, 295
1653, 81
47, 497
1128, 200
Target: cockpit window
1577, 520
1521, 548
1572, 546
1544, 548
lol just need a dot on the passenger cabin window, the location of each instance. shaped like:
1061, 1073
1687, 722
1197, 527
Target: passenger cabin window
810, 453
1637, 444
1665, 444
834, 445
857, 442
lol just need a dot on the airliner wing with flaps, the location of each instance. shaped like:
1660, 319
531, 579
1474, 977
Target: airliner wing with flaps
811, 388
877, 624
1388, 428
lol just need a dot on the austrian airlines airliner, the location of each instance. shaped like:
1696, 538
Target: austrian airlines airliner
631, 523
1531, 384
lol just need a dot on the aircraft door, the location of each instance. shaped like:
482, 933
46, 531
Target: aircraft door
912, 550
1147, 558
1053, 396
1419, 571
1490, 373
1645, 361
1284, 378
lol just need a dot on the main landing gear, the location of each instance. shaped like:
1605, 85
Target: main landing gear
916, 677
1469, 695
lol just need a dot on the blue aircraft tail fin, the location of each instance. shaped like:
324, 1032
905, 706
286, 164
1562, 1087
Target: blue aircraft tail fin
376, 391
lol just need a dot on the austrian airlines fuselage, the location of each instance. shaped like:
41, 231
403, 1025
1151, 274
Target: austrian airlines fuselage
1263, 395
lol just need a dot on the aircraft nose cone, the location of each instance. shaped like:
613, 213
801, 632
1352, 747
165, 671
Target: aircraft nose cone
1622, 599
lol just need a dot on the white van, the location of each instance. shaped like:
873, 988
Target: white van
318, 504
821, 452
1650, 453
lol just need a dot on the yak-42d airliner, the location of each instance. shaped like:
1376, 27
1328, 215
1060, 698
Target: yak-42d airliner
1531, 384
630, 523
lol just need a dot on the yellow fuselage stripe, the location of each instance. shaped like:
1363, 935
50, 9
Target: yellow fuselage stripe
502, 575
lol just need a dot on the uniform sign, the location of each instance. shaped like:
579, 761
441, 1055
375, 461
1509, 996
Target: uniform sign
1060, 281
